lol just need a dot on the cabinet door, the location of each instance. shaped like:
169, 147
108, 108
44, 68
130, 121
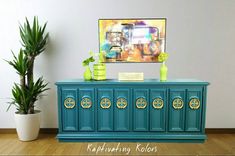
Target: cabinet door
121, 109
86, 109
105, 109
69, 110
193, 109
158, 105
177, 110
141, 113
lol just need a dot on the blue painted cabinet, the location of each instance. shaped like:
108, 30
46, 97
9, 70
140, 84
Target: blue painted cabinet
150, 110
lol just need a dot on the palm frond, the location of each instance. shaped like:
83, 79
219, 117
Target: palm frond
33, 37
20, 63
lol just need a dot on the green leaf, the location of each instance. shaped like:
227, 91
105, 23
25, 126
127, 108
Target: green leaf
87, 61
20, 63
33, 38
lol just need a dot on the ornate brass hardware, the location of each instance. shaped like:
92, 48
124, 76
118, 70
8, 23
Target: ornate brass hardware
105, 103
86, 102
69, 103
194, 103
141, 103
121, 103
178, 103
158, 103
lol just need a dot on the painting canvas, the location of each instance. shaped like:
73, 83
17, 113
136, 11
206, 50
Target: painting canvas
132, 40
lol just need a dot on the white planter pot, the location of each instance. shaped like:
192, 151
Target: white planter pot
27, 126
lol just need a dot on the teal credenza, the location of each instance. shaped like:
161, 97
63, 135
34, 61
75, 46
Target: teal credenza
150, 110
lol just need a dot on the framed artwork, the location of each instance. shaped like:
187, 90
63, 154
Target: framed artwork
132, 40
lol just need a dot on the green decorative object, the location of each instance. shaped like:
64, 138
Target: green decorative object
99, 67
163, 57
163, 72
87, 74
99, 71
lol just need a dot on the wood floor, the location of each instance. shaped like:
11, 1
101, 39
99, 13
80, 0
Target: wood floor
217, 144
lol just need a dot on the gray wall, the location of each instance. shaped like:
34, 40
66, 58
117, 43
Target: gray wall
200, 41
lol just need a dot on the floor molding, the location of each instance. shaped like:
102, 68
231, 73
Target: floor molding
55, 130
220, 130
42, 130
7, 130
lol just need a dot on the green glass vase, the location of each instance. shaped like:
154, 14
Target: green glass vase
87, 74
163, 72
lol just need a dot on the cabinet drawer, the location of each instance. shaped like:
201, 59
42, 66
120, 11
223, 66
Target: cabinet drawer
176, 110
158, 105
105, 109
86, 109
141, 110
194, 110
122, 104
69, 109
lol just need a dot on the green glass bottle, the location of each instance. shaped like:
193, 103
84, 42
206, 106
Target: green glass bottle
163, 72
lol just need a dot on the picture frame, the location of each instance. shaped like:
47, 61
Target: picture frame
132, 40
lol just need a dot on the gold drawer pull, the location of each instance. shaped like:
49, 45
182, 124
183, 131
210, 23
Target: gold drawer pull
194, 103
105, 103
178, 103
141, 103
158, 103
121, 103
86, 103
69, 103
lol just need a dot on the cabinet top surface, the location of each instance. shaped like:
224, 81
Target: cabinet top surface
146, 81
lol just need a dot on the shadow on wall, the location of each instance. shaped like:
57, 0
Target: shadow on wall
48, 104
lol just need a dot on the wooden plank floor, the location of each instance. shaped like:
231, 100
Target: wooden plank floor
217, 144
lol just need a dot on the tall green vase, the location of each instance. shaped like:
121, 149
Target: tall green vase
163, 72
87, 74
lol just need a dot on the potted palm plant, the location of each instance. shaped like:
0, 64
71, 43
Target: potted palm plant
27, 92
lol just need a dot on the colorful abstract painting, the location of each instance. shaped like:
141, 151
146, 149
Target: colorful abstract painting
132, 40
